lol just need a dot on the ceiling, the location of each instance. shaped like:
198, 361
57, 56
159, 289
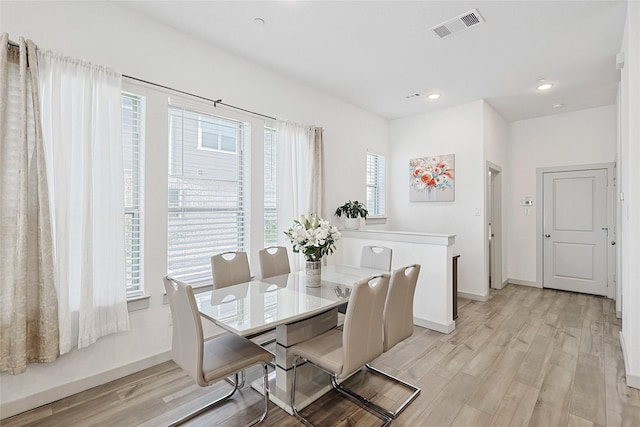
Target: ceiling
374, 54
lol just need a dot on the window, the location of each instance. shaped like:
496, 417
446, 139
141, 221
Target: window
270, 213
133, 107
375, 185
213, 134
208, 194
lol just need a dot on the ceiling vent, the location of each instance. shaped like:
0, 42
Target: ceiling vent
458, 24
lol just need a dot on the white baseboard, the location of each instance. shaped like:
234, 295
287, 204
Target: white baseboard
438, 327
502, 285
525, 283
633, 380
50, 395
474, 297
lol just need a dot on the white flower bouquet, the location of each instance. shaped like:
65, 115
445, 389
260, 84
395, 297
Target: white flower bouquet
313, 236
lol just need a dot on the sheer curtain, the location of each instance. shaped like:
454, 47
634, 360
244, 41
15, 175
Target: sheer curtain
300, 176
316, 178
28, 306
81, 121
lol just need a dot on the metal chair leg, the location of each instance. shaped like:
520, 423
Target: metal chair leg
297, 414
206, 407
265, 389
375, 409
238, 383
233, 383
356, 398
416, 391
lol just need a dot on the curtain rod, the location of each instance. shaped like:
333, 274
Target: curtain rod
216, 102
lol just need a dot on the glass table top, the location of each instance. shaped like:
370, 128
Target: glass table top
260, 305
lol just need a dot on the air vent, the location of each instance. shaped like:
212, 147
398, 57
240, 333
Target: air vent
458, 24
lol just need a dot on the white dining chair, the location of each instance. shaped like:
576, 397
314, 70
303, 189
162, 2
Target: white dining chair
274, 261
340, 353
398, 323
214, 360
230, 268
378, 257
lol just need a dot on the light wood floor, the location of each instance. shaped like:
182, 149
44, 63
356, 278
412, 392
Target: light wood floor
526, 357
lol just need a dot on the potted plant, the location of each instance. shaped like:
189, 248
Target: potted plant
352, 212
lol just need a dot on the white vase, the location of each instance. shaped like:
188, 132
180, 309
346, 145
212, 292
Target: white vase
351, 223
314, 274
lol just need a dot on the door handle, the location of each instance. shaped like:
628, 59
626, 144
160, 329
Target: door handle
613, 243
547, 235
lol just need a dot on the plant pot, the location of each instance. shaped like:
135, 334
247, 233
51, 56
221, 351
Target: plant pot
314, 274
351, 223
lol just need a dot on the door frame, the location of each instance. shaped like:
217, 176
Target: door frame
493, 204
611, 220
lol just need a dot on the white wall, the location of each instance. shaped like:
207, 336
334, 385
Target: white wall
105, 33
456, 130
629, 185
576, 138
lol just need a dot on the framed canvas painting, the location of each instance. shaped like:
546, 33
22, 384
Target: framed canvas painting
432, 179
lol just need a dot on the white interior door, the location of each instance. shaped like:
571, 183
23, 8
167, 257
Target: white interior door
575, 231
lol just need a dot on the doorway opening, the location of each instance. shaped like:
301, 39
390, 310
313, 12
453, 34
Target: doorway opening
494, 225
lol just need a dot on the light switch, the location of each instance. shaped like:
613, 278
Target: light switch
527, 201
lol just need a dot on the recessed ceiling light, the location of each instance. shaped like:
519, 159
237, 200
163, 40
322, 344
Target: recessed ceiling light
434, 96
259, 21
544, 85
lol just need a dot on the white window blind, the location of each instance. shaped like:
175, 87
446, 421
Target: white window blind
133, 107
270, 212
208, 197
375, 184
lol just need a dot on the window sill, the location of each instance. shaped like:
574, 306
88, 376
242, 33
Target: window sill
198, 287
138, 303
376, 220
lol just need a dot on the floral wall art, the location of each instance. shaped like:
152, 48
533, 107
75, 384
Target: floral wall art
431, 179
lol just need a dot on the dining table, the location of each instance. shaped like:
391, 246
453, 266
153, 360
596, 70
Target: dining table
296, 311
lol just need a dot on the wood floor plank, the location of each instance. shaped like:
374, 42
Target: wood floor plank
516, 407
592, 338
471, 417
532, 370
446, 406
487, 355
575, 421
552, 406
588, 399
495, 383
